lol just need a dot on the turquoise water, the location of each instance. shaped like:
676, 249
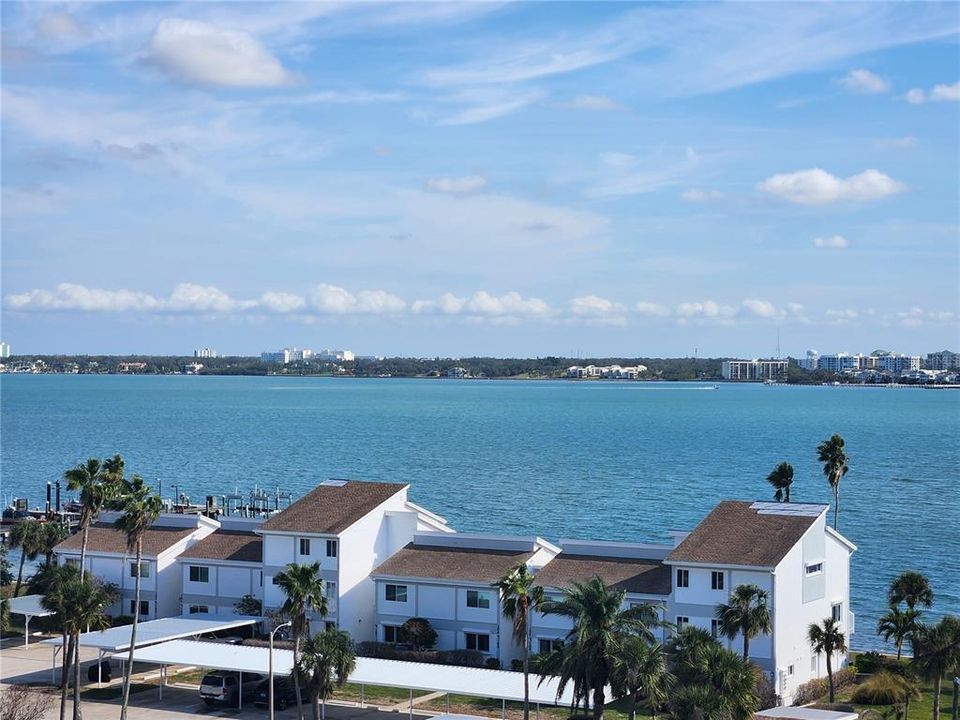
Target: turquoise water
616, 461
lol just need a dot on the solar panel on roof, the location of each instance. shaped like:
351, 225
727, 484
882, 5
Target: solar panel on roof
334, 483
790, 509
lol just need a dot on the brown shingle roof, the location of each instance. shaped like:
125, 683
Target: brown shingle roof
735, 534
233, 545
103, 537
635, 575
445, 563
331, 509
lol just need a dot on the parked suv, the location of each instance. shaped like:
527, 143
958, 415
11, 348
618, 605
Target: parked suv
223, 687
284, 694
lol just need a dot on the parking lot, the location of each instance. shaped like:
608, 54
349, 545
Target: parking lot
19, 665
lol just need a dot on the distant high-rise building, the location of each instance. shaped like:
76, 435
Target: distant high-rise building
281, 357
4, 350
811, 361
943, 360
754, 369
205, 353
336, 355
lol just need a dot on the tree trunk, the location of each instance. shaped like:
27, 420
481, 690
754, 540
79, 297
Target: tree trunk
632, 707
23, 556
830, 675
64, 674
937, 681
836, 504
526, 674
746, 648
598, 703
128, 670
77, 712
315, 704
295, 675
899, 648
956, 700
788, 492
83, 550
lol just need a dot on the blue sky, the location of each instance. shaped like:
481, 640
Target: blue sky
502, 179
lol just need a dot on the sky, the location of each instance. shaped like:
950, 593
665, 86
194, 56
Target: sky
454, 179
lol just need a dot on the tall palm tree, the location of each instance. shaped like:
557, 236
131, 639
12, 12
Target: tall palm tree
936, 651
54, 533
27, 534
640, 673
326, 662
835, 465
829, 639
304, 589
898, 625
747, 613
600, 627
715, 683
520, 596
98, 483
911, 587
139, 506
56, 599
781, 479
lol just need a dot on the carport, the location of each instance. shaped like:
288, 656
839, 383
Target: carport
500, 685
115, 640
30, 607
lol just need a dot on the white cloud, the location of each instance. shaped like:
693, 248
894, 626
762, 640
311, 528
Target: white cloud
281, 302
817, 187
189, 296
761, 308
843, 315
335, 300
939, 93
594, 102
697, 195
448, 304
204, 54
706, 309
864, 82
511, 303
457, 185
649, 309
594, 306
483, 105
71, 296
837, 242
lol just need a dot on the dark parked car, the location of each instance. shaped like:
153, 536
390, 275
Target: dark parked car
223, 687
284, 694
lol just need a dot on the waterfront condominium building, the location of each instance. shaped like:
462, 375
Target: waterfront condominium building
740, 370
205, 353
280, 357
943, 360
839, 362
384, 560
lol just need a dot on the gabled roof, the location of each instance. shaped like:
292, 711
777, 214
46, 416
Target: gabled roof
475, 565
635, 575
332, 507
743, 533
235, 546
104, 537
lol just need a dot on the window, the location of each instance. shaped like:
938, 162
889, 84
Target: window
144, 607
716, 580
200, 574
331, 548
261, 578
814, 568
304, 546
683, 578
715, 628
274, 580
396, 593
547, 645
789, 670
477, 599
330, 590
815, 665
836, 611
199, 610
682, 622
329, 625
478, 641
73, 562
391, 633
144, 569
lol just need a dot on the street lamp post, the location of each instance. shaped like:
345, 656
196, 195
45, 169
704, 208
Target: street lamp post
270, 664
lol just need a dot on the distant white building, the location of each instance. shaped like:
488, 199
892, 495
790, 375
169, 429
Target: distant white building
336, 355
897, 364
839, 362
205, 353
810, 362
193, 368
280, 357
456, 372
4, 350
943, 360
741, 370
614, 372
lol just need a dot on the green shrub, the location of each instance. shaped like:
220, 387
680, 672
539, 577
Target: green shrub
419, 633
884, 688
870, 662
818, 687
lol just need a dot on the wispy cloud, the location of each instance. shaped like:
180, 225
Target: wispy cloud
457, 185
864, 82
834, 242
938, 93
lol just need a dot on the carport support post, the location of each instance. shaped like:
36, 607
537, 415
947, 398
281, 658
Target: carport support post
161, 681
100, 668
411, 704
26, 630
361, 694
240, 694
53, 665
503, 709
538, 711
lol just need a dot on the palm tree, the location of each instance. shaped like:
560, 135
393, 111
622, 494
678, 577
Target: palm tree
911, 587
54, 533
56, 599
520, 595
600, 627
747, 613
898, 625
98, 483
715, 683
326, 663
827, 638
139, 506
305, 591
28, 536
640, 672
834, 458
936, 651
781, 479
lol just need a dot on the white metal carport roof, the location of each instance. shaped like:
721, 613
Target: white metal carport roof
158, 631
450, 679
29, 606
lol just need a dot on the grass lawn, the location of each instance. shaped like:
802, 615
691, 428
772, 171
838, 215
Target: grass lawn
467, 705
375, 694
921, 709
